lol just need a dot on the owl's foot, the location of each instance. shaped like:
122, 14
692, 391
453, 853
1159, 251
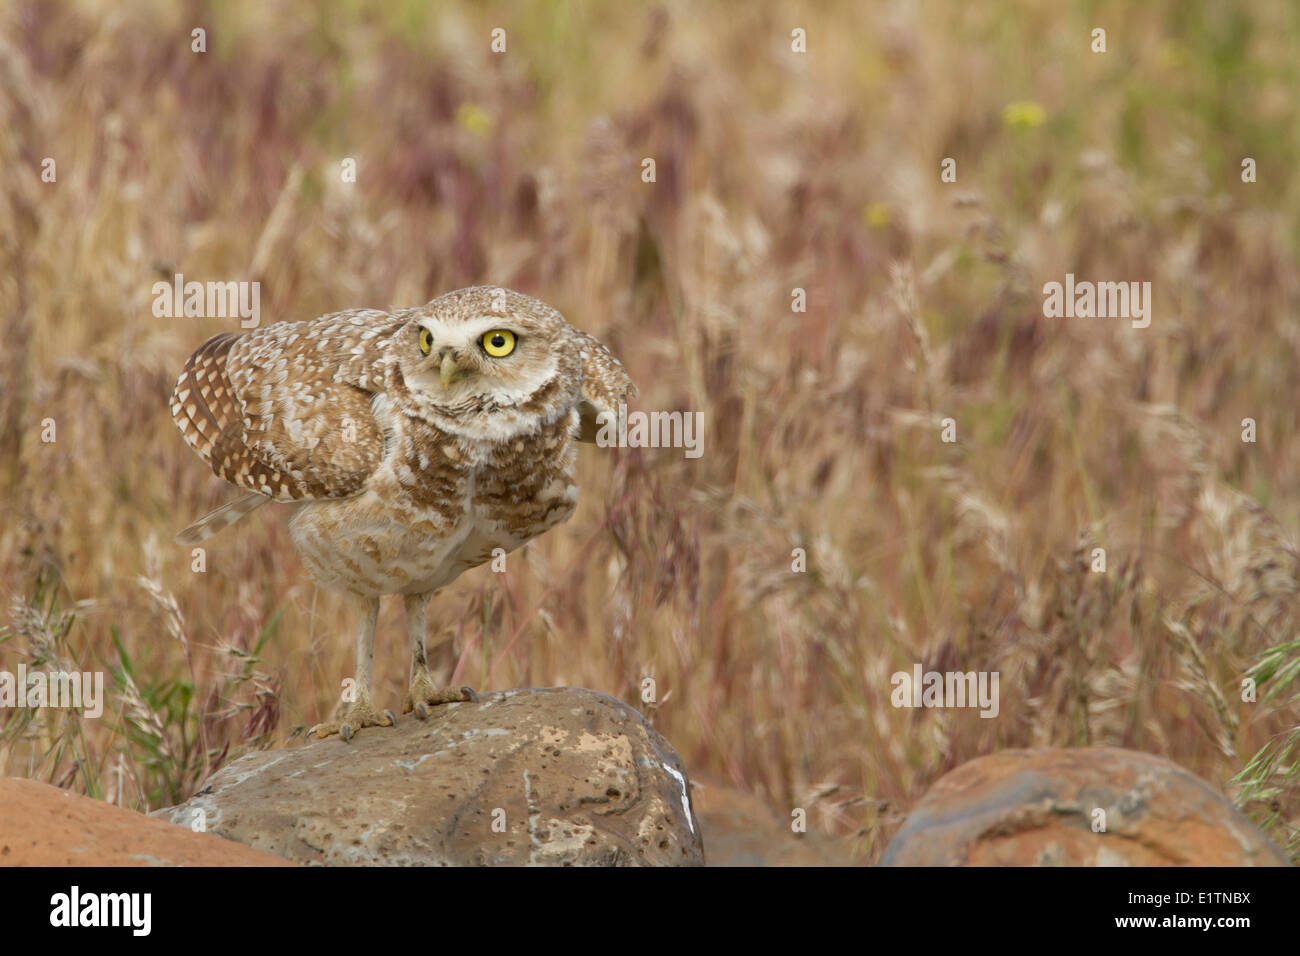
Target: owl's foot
360, 713
423, 695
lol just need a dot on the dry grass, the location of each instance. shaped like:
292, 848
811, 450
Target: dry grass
775, 171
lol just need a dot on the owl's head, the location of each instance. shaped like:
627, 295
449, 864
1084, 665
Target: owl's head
488, 357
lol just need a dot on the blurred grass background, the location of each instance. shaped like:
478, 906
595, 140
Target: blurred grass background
775, 171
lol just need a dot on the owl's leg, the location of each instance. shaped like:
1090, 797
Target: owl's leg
360, 712
424, 693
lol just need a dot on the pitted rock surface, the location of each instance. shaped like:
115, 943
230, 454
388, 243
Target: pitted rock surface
1037, 808
553, 776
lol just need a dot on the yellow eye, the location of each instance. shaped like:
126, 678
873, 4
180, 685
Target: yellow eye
499, 344
426, 341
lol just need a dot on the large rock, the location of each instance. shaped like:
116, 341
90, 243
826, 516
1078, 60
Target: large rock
1037, 808
42, 825
557, 776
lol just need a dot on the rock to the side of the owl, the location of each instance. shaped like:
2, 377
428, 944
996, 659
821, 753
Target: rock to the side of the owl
1095, 806
41, 825
553, 776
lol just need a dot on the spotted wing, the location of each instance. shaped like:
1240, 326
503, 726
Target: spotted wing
285, 411
605, 384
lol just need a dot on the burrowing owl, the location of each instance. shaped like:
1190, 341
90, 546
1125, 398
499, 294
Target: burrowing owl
412, 444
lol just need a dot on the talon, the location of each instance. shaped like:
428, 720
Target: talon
346, 731
321, 731
392, 718
469, 694
421, 711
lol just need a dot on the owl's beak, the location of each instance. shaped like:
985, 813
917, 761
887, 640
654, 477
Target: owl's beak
452, 369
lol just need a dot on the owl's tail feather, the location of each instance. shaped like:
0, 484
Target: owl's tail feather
223, 517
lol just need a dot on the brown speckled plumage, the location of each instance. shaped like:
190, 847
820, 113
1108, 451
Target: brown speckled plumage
403, 477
